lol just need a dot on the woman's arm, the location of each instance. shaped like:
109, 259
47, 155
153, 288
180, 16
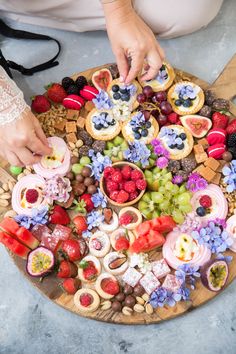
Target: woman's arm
21, 137
131, 38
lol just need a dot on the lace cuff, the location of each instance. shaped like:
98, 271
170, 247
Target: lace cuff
12, 103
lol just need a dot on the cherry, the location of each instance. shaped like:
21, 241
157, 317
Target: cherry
165, 107
148, 91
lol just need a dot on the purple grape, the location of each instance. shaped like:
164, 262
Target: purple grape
141, 98
155, 113
148, 91
165, 107
162, 119
161, 96
146, 115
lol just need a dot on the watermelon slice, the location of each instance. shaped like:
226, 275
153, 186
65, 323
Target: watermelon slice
9, 225
148, 242
163, 224
26, 237
13, 245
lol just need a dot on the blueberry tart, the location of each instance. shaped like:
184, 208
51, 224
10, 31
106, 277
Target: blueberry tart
163, 80
102, 125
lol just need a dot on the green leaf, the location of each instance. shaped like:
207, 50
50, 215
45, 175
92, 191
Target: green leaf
83, 264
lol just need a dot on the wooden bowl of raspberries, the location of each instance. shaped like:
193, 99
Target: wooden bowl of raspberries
123, 183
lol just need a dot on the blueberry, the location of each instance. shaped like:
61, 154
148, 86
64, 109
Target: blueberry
137, 136
148, 124
144, 132
116, 96
98, 126
172, 146
187, 103
113, 122
183, 136
115, 88
178, 103
201, 211
123, 90
180, 147
135, 130
125, 97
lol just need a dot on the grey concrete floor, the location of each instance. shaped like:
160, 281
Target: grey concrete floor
29, 323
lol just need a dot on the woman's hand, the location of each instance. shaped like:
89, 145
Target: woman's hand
23, 142
132, 39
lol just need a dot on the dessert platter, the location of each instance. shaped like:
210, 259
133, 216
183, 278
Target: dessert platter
131, 219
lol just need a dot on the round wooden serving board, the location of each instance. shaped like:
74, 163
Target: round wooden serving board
225, 87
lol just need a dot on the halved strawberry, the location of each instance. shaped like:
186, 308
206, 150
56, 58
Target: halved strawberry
110, 286
59, 216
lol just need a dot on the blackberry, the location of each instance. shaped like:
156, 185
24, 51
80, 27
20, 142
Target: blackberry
188, 164
81, 81
184, 175
220, 104
232, 140
205, 111
66, 82
233, 151
72, 90
84, 150
173, 166
99, 146
209, 97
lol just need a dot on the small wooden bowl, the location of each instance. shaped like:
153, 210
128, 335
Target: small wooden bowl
132, 202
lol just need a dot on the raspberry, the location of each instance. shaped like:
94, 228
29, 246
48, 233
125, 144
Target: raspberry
121, 185
141, 184
117, 177
31, 196
126, 172
122, 244
114, 195
86, 300
173, 118
110, 286
125, 219
136, 174
133, 195
108, 171
178, 122
96, 244
129, 186
205, 201
122, 197
111, 186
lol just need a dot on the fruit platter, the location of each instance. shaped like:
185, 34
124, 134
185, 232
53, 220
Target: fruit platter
131, 219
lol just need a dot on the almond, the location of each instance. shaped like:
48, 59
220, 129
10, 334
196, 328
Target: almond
4, 203
106, 305
138, 308
127, 311
149, 309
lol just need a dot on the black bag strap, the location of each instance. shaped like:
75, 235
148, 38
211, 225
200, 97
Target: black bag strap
9, 32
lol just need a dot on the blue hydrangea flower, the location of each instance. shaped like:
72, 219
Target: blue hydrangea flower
138, 120
99, 162
103, 119
103, 101
132, 89
227, 259
214, 237
183, 293
86, 234
38, 216
137, 152
186, 91
99, 199
94, 219
187, 273
161, 297
162, 75
230, 176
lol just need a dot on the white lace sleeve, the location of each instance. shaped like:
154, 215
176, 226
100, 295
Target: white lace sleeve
12, 103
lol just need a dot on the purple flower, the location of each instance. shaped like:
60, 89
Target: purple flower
161, 297
186, 91
102, 100
162, 162
57, 188
196, 182
183, 293
137, 120
162, 75
94, 219
99, 199
38, 216
99, 162
156, 142
187, 273
230, 176
178, 179
86, 234
137, 152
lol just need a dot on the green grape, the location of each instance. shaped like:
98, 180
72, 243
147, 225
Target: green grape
167, 195
164, 171
182, 189
178, 216
184, 198
85, 160
169, 186
77, 168
162, 190
175, 189
156, 170
155, 214
157, 197
146, 197
186, 208
164, 205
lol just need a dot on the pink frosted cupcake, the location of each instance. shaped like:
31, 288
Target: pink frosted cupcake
58, 163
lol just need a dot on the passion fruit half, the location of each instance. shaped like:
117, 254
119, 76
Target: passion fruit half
214, 275
40, 262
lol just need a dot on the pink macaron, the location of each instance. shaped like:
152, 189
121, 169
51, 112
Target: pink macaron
73, 102
216, 136
89, 92
216, 151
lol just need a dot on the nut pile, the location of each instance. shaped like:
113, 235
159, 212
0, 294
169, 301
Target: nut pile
51, 118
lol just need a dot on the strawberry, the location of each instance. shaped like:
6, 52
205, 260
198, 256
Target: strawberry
117, 177
114, 195
89, 270
141, 184
136, 174
72, 249
129, 186
110, 286
231, 128
112, 186
122, 197
220, 120
108, 171
87, 198
71, 285
126, 172
173, 118
67, 270
59, 216
133, 195
122, 244
80, 224
56, 93
86, 300
125, 219
40, 104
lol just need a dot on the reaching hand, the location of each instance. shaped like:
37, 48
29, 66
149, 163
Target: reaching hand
132, 39
23, 142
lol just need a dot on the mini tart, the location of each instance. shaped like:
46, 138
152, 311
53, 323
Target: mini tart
105, 133
115, 263
231, 228
95, 300
19, 201
98, 285
136, 215
132, 103
111, 226
219, 208
58, 163
97, 265
128, 134
181, 248
197, 102
99, 244
121, 232
176, 154
164, 79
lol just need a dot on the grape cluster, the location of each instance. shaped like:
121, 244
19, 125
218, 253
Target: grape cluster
160, 106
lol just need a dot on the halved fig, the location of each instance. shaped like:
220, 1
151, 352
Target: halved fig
40, 262
102, 79
214, 274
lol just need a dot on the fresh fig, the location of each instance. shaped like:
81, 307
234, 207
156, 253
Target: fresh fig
197, 125
102, 79
40, 262
214, 274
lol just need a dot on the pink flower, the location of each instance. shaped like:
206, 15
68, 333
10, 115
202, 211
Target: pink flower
162, 162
